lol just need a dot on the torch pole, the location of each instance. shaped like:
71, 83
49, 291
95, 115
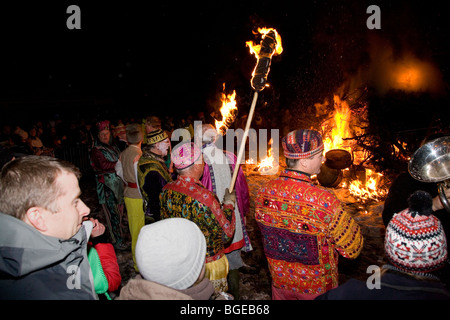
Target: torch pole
244, 138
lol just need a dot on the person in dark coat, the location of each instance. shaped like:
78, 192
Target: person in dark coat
416, 250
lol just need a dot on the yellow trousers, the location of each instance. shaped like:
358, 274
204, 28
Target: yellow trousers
217, 272
136, 220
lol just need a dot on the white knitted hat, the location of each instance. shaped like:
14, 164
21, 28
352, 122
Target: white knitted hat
171, 252
415, 240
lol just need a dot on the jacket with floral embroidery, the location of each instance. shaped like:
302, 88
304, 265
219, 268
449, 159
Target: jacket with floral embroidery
304, 229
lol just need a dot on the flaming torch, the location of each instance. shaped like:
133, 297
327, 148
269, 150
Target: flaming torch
270, 45
228, 111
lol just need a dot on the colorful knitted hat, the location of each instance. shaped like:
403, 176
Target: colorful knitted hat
185, 155
103, 125
302, 144
415, 241
171, 252
156, 136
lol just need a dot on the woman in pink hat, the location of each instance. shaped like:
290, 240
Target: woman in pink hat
187, 198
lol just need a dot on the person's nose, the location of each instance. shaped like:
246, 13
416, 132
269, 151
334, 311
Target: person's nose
83, 209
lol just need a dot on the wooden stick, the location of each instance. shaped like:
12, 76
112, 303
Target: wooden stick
244, 138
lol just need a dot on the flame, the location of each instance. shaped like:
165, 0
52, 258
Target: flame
228, 111
255, 48
336, 129
267, 165
369, 190
340, 127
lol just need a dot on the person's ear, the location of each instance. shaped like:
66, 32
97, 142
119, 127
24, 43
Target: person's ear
303, 163
35, 217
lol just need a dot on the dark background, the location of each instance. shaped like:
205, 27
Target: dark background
169, 57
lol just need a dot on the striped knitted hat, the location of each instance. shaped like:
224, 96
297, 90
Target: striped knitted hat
302, 144
415, 241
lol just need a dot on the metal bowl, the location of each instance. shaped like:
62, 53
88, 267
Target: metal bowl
431, 162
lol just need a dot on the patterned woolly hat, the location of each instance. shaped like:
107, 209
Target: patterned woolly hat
415, 241
156, 136
302, 144
171, 252
185, 155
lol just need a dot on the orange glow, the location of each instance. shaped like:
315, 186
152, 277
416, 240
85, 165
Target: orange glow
408, 78
228, 111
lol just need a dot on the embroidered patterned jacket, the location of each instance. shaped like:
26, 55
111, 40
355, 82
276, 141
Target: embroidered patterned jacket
187, 198
304, 230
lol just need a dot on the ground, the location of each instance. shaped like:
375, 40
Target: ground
257, 284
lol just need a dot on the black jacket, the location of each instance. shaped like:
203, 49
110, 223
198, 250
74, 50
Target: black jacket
394, 286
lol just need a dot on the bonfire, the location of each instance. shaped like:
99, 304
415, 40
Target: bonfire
340, 132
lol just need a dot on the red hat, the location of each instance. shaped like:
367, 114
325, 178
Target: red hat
102, 125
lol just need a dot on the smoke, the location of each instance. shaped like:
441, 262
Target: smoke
388, 70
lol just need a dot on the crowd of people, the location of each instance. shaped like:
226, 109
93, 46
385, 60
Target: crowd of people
187, 228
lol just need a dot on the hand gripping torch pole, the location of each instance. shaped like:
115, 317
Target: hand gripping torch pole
259, 79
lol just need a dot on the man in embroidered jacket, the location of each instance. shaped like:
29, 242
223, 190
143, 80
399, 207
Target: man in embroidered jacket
187, 198
303, 226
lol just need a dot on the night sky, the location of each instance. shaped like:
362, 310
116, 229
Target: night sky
175, 56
